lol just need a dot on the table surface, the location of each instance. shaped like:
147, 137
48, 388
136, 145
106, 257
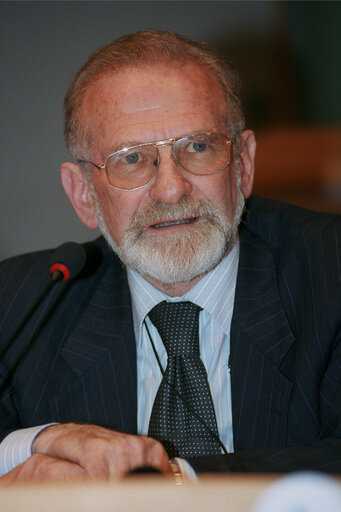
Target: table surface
228, 493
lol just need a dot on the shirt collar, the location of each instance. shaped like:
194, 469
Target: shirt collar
214, 293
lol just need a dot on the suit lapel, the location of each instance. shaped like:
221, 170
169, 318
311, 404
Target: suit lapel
260, 339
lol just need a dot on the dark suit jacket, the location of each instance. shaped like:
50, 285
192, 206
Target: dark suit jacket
285, 344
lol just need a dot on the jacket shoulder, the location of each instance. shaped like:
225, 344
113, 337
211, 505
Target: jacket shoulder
36, 264
278, 224
17, 269
23, 278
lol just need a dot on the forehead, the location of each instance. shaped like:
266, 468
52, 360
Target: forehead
137, 105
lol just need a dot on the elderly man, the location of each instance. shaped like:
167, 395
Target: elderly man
216, 343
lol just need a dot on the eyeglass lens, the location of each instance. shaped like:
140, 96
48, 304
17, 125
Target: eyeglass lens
199, 154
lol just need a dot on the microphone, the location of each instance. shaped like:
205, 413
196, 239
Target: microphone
66, 263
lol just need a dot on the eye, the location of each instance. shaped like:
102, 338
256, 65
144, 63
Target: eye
132, 158
197, 147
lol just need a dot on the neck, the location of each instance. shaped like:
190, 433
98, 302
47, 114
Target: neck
175, 289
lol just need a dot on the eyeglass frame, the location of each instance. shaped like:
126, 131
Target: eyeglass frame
156, 144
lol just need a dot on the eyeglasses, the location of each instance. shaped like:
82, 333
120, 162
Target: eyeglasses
133, 167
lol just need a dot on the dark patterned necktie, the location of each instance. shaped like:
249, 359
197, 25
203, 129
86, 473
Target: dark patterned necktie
172, 421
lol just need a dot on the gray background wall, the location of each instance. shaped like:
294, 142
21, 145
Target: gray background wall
43, 43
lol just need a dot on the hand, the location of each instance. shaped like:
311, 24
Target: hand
41, 468
90, 451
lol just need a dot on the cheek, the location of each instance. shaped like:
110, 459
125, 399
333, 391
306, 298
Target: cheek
117, 210
116, 218
221, 189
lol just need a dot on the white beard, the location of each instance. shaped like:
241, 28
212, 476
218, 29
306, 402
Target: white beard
176, 257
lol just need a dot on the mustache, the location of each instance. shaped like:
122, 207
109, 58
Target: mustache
186, 207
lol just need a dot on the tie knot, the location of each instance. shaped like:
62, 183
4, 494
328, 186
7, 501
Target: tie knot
178, 326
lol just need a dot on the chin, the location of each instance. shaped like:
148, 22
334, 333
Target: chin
177, 257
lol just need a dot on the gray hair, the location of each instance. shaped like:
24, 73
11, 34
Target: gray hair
141, 49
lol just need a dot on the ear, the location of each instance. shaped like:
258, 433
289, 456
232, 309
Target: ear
247, 161
77, 189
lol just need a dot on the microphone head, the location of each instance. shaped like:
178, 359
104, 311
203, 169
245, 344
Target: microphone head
67, 261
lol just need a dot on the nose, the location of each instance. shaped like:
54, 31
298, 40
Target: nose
169, 184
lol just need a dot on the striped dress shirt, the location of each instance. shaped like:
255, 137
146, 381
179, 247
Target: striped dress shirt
215, 295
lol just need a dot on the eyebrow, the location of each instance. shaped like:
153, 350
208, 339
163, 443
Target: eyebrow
127, 144
130, 143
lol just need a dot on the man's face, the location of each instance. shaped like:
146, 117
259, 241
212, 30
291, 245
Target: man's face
153, 104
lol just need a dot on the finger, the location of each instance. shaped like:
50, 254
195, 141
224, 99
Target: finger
42, 468
102, 453
114, 455
139, 451
157, 457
